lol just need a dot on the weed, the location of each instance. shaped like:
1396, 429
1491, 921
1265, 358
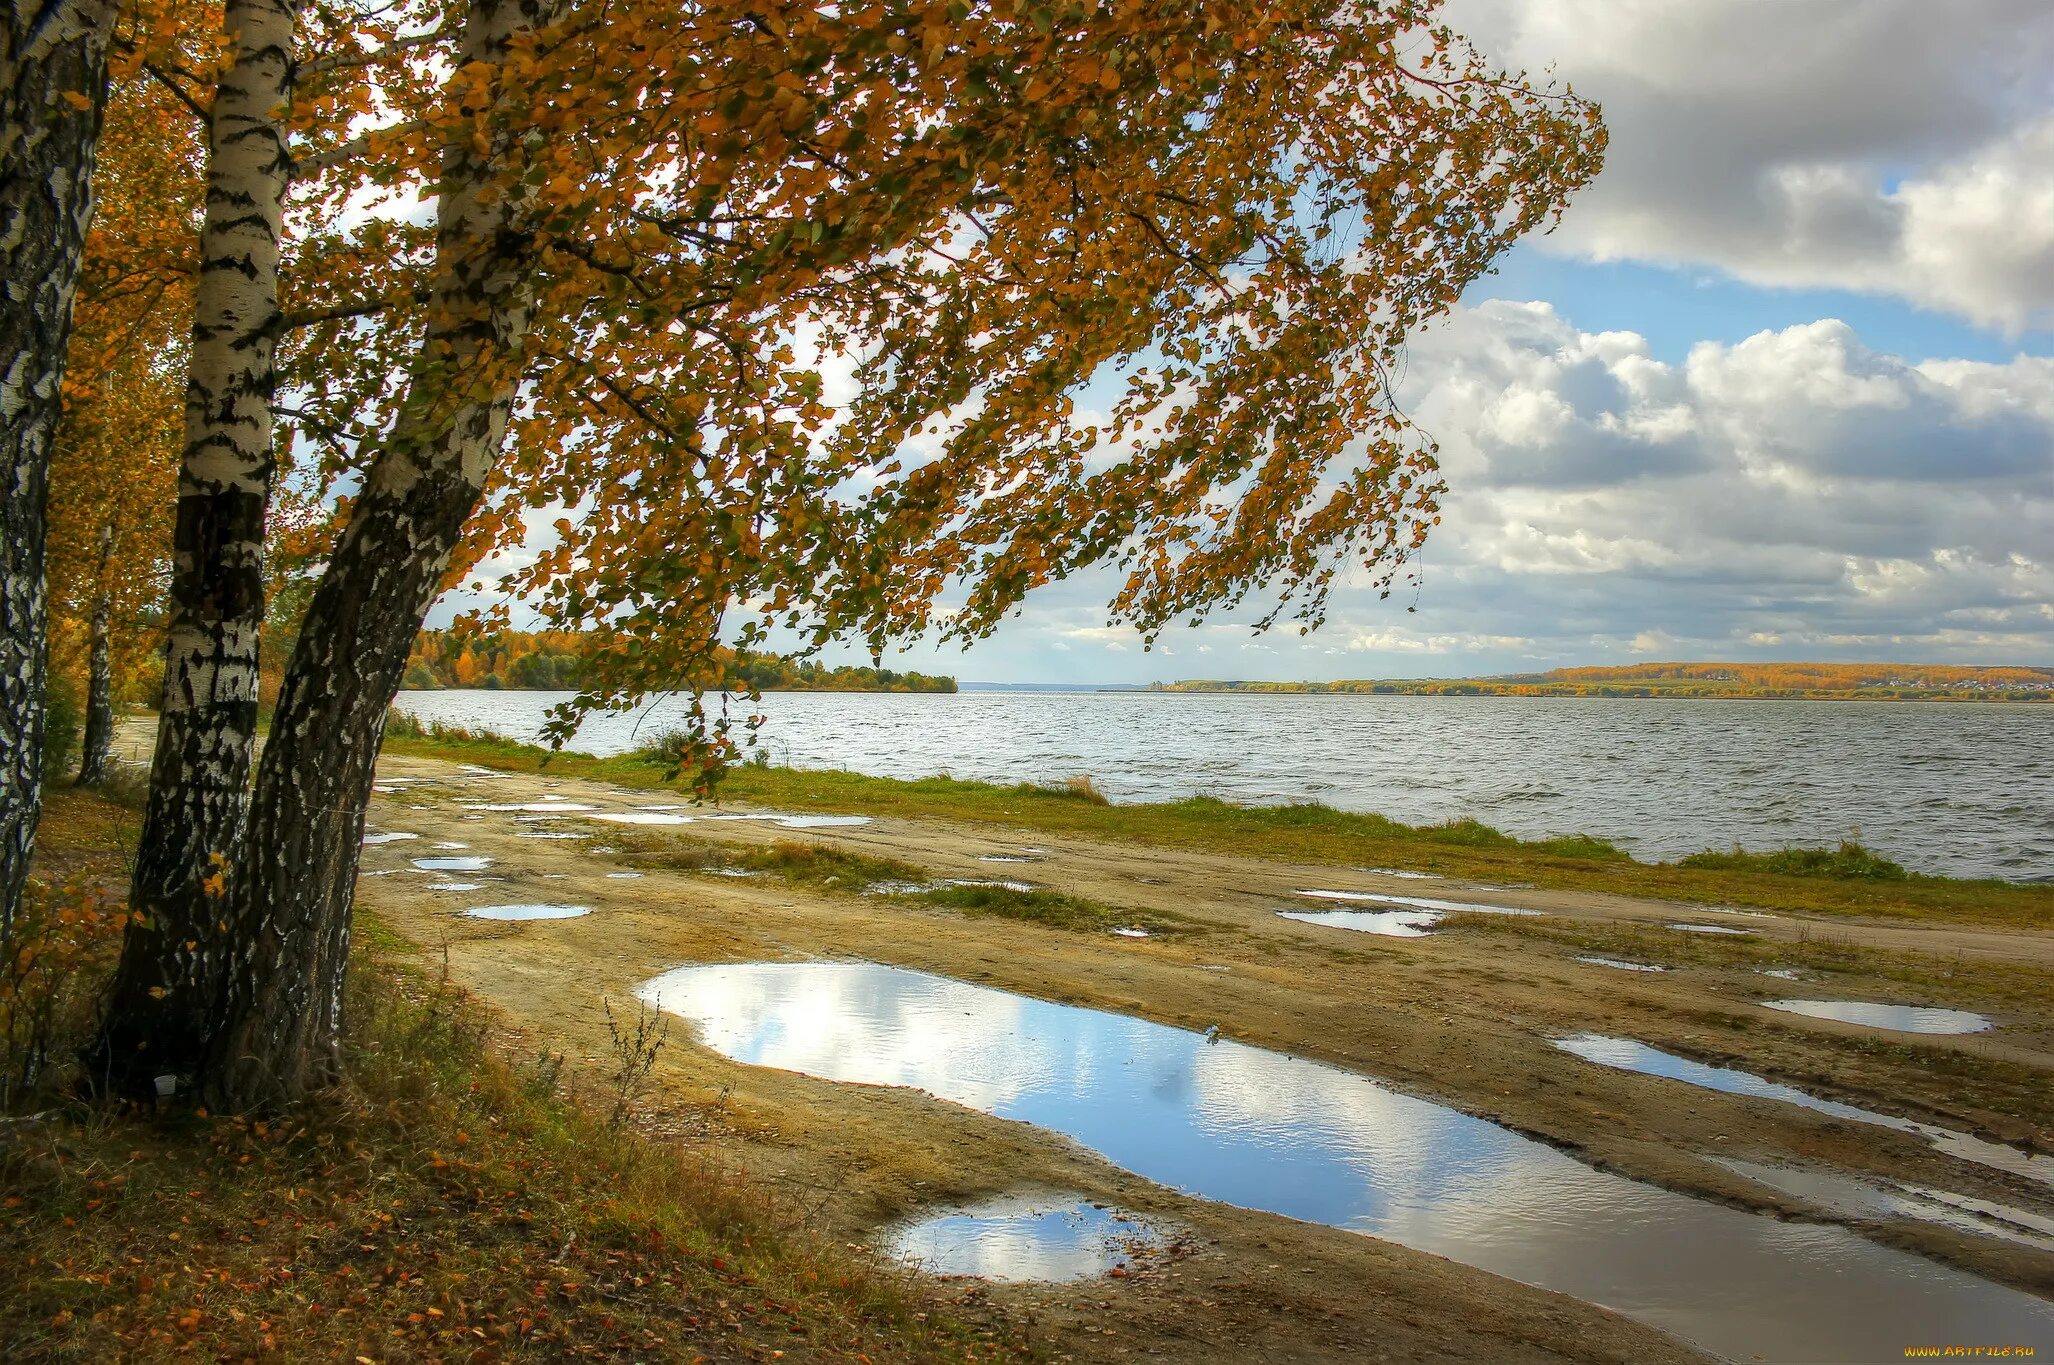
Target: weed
635, 1049
1849, 860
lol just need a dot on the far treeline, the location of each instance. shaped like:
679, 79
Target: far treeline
560, 659
1815, 682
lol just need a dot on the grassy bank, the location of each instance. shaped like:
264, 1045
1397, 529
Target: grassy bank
1846, 881
824, 867
453, 1200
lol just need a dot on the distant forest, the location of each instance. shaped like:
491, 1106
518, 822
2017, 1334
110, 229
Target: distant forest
1826, 682
551, 660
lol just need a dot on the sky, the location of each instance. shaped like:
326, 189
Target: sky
1780, 386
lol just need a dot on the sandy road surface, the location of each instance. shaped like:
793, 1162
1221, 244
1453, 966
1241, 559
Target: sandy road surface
1465, 1016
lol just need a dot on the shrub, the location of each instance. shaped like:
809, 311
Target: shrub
62, 717
1850, 861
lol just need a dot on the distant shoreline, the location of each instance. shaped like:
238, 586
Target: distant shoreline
1591, 694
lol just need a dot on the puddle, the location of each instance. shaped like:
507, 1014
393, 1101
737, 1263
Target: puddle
815, 821
896, 887
1261, 1130
976, 881
447, 844
475, 862
1622, 965
528, 911
1131, 933
641, 817
1625, 1054
1014, 1239
1710, 929
371, 839
555, 834
1848, 1197
1005, 858
549, 807
1901, 1018
672, 805
1389, 923
1782, 973
1416, 902
622, 876
454, 886
1401, 873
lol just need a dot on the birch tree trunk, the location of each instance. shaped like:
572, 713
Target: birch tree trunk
291, 896
53, 82
96, 745
162, 1004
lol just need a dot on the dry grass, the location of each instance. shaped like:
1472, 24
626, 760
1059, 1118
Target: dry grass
451, 1201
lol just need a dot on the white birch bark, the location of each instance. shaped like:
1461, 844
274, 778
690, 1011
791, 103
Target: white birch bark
53, 60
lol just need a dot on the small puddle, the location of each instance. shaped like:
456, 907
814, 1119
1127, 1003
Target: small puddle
1013, 1239
641, 817
1847, 1197
549, 807
454, 886
1416, 902
1621, 964
473, 862
1389, 923
555, 834
996, 883
1403, 875
1005, 858
1710, 929
528, 911
1131, 933
1265, 1131
373, 839
1625, 1054
1782, 973
1901, 1018
622, 876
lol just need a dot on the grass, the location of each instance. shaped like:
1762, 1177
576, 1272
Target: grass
831, 868
1817, 882
1849, 860
1052, 908
806, 864
450, 1201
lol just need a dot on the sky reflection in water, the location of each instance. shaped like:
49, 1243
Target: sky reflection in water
1266, 1131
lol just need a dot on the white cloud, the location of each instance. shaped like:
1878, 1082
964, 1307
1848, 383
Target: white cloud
1891, 146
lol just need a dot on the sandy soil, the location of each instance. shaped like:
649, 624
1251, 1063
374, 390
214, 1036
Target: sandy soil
1464, 1017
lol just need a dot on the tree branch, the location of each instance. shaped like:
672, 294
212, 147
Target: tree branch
311, 317
178, 92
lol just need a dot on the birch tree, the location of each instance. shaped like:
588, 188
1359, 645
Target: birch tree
53, 77
658, 227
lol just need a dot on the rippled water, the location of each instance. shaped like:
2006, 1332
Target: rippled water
1963, 789
1266, 1131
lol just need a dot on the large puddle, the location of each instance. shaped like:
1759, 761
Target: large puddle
475, 862
1417, 903
1624, 1054
1265, 1131
528, 911
1902, 1018
1022, 1239
1851, 1198
1389, 923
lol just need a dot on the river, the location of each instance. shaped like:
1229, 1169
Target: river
1961, 789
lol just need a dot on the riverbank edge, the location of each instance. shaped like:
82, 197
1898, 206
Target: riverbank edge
1308, 832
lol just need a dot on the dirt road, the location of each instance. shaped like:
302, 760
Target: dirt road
1466, 1016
